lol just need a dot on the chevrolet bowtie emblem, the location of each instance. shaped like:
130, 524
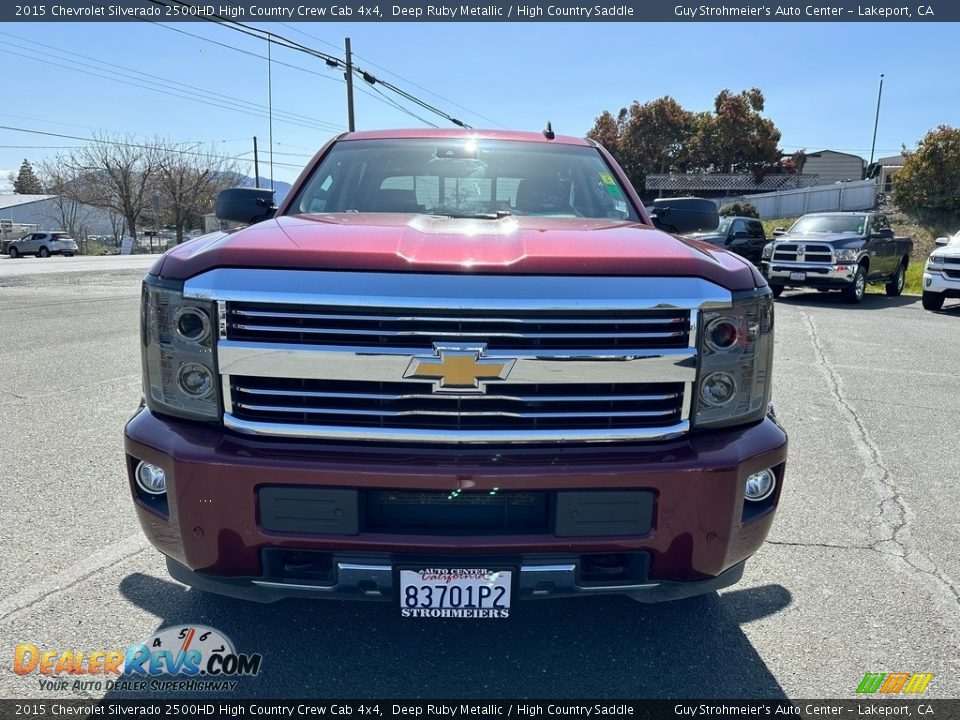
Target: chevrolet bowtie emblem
459, 369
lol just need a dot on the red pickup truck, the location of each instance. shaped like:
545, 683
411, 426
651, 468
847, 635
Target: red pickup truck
453, 370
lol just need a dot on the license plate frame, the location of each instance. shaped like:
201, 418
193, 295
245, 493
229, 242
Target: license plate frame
439, 583
798, 276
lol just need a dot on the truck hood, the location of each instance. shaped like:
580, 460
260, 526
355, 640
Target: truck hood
949, 251
399, 242
835, 239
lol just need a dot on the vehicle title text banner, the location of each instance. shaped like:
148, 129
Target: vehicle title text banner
476, 11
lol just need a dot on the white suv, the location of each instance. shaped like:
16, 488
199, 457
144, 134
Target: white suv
941, 276
43, 244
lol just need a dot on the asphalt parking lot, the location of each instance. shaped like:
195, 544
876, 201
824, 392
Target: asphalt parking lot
861, 572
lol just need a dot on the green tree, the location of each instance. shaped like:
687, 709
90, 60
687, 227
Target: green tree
740, 209
928, 184
736, 137
26, 182
661, 136
646, 138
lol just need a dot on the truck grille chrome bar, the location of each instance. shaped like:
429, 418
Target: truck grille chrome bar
812, 253
329, 355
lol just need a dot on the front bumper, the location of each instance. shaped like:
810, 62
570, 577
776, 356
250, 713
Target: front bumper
211, 530
935, 281
815, 275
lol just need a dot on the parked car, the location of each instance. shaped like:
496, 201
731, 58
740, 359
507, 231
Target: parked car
838, 251
941, 276
742, 235
452, 370
43, 244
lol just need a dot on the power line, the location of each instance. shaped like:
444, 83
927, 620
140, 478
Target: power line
172, 88
396, 75
121, 143
378, 97
331, 60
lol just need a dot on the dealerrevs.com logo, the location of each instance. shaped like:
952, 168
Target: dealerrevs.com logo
184, 658
894, 683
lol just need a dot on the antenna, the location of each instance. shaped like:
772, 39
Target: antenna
548, 131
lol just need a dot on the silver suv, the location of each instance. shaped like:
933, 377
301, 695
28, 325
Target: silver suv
43, 244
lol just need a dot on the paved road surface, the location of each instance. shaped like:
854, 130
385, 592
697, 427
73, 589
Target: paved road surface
861, 572
29, 265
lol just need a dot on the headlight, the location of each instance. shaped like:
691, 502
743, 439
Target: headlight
179, 375
847, 255
935, 260
768, 251
736, 361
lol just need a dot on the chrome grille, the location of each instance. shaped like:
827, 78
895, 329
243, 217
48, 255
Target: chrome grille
517, 406
812, 253
410, 327
951, 268
364, 356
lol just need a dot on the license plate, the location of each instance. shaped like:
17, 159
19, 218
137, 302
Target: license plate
798, 276
455, 592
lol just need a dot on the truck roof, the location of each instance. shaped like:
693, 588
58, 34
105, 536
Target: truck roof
458, 133
846, 212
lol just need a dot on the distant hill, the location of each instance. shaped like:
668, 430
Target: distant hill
280, 188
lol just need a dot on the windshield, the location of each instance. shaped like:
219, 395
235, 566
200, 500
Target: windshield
721, 228
840, 224
465, 178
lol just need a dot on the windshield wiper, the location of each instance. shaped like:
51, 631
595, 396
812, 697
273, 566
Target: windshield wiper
476, 216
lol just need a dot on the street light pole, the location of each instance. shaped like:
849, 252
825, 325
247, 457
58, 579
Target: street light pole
876, 120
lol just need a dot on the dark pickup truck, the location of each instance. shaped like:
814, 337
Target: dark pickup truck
744, 236
838, 251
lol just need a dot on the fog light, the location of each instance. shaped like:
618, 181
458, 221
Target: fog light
195, 380
718, 388
192, 325
760, 486
927, 282
151, 479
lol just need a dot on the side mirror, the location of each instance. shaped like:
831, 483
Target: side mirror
684, 215
739, 235
778, 231
883, 233
245, 205
941, 241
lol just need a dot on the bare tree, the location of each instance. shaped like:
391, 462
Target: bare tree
188, 179
114, 173
67, 213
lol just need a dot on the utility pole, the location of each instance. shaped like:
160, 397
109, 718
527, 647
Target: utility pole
876, 120
349, 78
256, 164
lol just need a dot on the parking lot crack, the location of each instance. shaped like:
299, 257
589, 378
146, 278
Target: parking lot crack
829, 546
892, 519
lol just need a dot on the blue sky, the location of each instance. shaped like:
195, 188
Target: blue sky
820, 80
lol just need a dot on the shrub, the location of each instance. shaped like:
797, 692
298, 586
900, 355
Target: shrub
739, 209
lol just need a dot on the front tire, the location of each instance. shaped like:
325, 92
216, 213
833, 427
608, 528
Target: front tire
43, 252
895, 285
13, 252
853, 294
933, 301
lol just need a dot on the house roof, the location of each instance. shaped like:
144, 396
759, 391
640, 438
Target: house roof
9, 201
818, 153
891, 160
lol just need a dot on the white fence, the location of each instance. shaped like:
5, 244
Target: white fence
856, 195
